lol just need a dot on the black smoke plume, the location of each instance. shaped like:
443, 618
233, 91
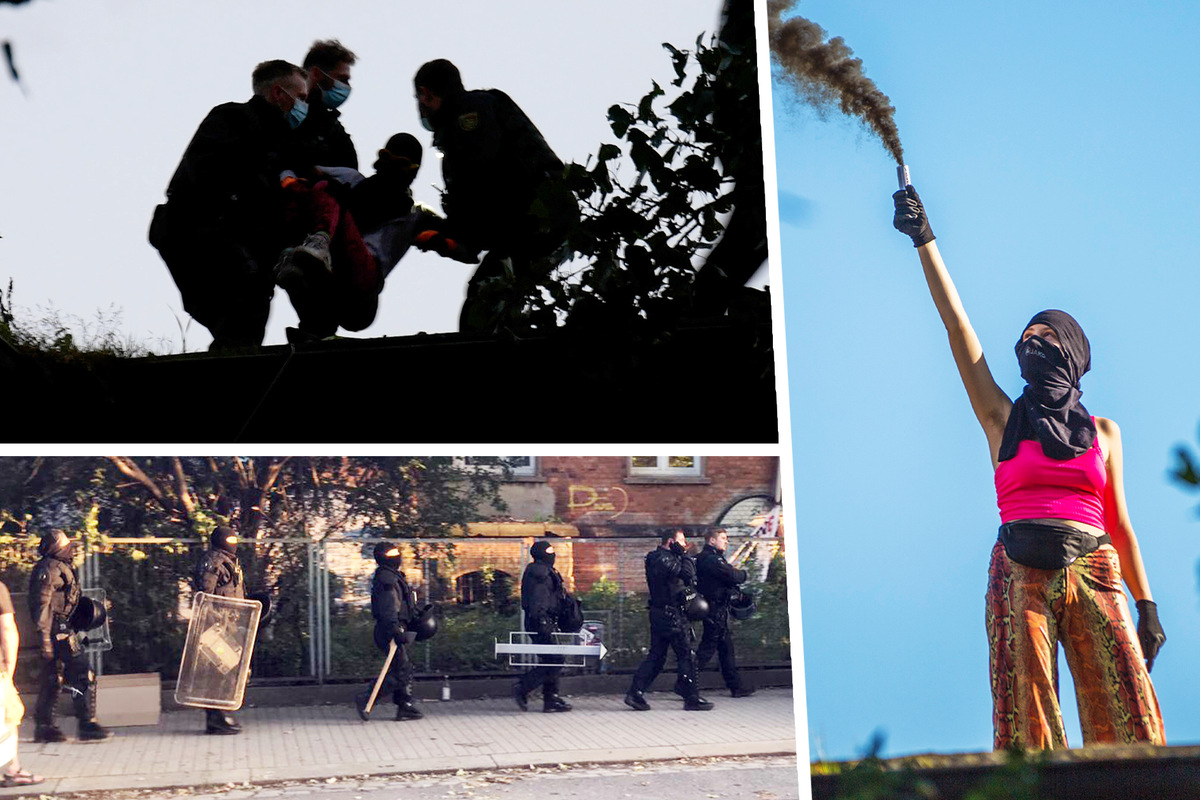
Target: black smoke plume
824, 73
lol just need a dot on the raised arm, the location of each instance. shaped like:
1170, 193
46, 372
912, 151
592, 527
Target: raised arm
989, 402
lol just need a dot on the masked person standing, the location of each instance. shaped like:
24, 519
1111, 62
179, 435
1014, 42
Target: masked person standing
542, 598
1066, 541
394, 606
718, 581
54, 594
670, 573
220, 574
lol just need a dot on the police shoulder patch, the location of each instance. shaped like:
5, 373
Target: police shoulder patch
469, 121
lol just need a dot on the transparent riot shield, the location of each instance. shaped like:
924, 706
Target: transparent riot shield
216, 655
98, 639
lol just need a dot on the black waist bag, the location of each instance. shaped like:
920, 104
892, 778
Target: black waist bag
1046, 545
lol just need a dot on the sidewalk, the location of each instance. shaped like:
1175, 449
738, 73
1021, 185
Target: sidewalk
301, 742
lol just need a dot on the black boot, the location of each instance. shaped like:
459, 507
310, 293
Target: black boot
519, 697
741, 691
48, 733
406, 711
636, 701
696, 703
360, 705
554, 703
92, 731
217, 723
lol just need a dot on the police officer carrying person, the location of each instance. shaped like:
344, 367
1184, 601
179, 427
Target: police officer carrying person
54, 595
495, 165
718, 581
394, 606
219, 573
542, 599
670, 574
324, 142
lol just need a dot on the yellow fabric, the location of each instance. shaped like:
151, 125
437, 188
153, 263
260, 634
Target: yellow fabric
14, 709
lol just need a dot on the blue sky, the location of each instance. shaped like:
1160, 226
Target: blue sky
1055, 148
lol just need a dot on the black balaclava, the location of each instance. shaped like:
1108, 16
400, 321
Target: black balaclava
384, 560
220, 539
541, 554
1049, 409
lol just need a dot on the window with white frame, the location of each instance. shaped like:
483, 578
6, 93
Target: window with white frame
518, 466
665, 466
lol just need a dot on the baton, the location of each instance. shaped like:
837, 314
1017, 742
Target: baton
387, 662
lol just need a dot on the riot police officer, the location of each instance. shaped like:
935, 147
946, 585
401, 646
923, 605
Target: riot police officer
219, 573
718, 581
394, 606
54, 594
542, 599
670, 573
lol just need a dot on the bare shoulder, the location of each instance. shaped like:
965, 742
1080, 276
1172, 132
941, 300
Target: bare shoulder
1108, 428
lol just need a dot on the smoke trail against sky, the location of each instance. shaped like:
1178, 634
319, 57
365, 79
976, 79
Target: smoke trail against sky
824, 73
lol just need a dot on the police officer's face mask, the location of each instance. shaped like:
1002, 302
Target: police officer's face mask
336, 94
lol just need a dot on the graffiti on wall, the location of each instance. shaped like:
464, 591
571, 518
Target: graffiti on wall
602, 500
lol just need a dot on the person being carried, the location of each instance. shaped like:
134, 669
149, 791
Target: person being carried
357, 229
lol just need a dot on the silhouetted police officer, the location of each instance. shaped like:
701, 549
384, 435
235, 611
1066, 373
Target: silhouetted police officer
54, 594
542, 598
218, 572
495, 163
718, 580
670, 572
394, 606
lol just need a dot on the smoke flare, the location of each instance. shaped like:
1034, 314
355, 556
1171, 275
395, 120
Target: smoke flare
824, 73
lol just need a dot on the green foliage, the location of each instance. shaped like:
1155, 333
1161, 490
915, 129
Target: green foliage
59, 338
651, 204
766, 637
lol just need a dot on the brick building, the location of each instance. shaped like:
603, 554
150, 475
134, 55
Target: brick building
608, 511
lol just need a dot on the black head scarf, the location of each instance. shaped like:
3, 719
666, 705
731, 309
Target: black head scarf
1049, 409
541, 553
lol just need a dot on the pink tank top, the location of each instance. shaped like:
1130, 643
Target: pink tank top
1031, 485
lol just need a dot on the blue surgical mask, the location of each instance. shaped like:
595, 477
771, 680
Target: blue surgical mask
298, 113
337, 95
426, 124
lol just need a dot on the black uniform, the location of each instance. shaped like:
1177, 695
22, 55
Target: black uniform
53, 595
322, 139
221, 230
718, 580
542, 598
670, 572
218, 572
394, 606
495, 162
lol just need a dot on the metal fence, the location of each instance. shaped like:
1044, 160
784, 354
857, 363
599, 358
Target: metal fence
320, 626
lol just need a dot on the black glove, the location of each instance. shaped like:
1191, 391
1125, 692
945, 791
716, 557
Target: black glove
677, 548
1150, 632
910, 216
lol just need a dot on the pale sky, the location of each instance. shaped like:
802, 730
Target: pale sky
116, 88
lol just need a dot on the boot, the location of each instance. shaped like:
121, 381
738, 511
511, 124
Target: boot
636, 701
406, 711
219, 724
360, 705
313, 254
519, 697
741, 691
92, 731
696, 703
48, 733
554, 703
